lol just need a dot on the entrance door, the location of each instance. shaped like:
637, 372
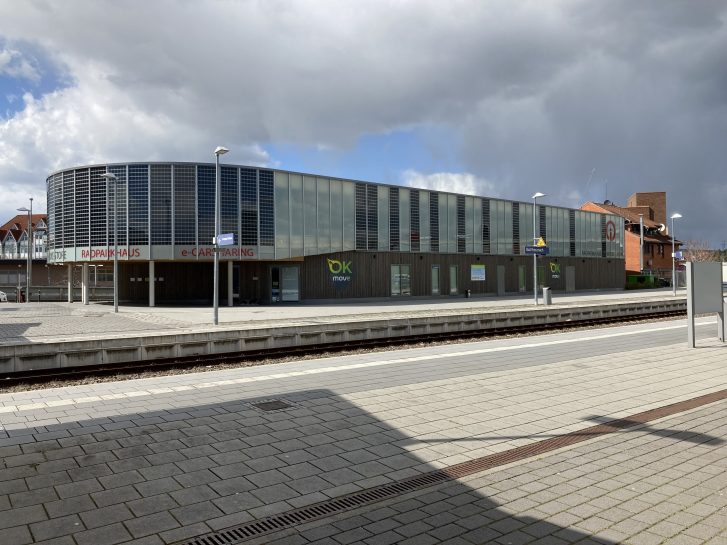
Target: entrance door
435, 279
453, 285
570, 279
500, 280
400, 280
284, 284
289, 278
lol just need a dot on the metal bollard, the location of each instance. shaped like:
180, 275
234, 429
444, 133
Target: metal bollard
547, 296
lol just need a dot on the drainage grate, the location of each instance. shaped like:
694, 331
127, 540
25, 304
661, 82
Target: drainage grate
341, 504
275, 405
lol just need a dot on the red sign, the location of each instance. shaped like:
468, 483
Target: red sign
610, 231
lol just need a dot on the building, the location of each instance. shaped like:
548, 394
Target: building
301, 236
651, 207
14, 236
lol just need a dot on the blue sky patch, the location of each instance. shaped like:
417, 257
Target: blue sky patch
376, 157
26, 68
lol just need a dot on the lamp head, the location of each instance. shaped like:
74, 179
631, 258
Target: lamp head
538, 195
23, 209
676, 216
219, 150
109, 176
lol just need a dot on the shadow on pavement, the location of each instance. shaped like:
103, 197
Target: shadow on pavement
187, 470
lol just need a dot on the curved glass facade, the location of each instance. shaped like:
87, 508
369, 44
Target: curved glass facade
165, 211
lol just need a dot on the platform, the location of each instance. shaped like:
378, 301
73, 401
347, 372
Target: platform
166, 460
54, 335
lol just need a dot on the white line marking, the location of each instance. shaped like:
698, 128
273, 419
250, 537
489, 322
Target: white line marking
333, 369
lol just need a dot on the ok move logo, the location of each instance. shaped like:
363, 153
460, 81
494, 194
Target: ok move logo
340, 270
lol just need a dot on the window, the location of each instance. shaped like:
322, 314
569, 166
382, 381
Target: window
248, 207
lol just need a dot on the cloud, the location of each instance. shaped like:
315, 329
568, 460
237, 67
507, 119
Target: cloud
452, 182
535, 94
14, 65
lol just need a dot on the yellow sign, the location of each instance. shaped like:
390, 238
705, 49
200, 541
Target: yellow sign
541, 242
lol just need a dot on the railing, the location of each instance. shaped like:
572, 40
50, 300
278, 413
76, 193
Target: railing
58, 293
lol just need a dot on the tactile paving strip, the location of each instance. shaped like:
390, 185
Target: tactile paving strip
239, 534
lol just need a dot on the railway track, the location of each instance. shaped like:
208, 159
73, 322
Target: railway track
89, 373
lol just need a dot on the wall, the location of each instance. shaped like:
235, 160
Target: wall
371, 273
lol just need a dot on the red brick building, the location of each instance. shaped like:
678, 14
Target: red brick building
657, 242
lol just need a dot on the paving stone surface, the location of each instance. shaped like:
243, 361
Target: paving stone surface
166, 459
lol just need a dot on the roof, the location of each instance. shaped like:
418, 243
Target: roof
22, 222
627, 214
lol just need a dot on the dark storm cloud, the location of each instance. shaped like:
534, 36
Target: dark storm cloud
538, 93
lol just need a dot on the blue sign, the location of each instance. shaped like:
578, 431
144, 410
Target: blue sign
537, 250
228, 239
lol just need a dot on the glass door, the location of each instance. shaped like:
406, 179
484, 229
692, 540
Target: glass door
453, 286
435, 279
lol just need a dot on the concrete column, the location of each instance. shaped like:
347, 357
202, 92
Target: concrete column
70, 283
229, 283
152, 302
85, 295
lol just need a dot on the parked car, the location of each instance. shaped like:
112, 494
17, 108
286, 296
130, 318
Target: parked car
3, 297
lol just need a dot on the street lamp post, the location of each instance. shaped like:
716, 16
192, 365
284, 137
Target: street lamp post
535, 240
29, 274
215, 295
674, 216
109, 179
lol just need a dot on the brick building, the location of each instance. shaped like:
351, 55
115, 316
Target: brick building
657, 242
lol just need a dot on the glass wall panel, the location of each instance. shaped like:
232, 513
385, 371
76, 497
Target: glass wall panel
349, 216
383, 205
425, 234
267, 207
310, 212
161, 204
461, 225
324, 216
506, 247
296, 215
477, 233
360, 216
205, 204
414, 220
404, 220
185, 212
139, 204
82, 202
372, 222
443, 232
229, 209
495, 225
469, 227
282, 215
98, 209
69, 207
394, 229
434, 221
248, 207
121, 200
452, 223
336, 216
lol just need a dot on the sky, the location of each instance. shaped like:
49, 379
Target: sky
581, 100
